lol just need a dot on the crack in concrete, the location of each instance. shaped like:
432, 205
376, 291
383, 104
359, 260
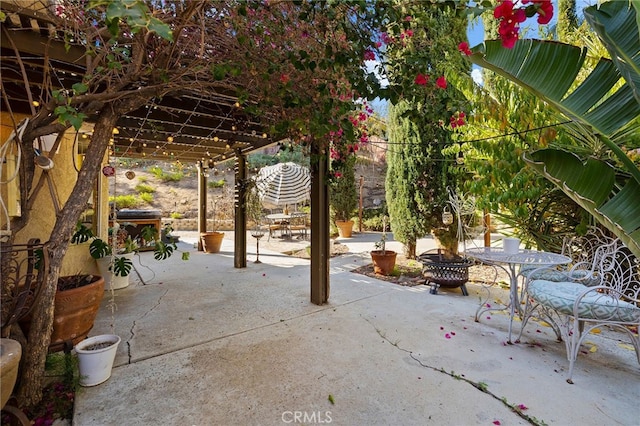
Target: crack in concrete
135, 322
482, 387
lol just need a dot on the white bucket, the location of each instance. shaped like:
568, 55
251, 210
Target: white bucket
95, 364
511, 245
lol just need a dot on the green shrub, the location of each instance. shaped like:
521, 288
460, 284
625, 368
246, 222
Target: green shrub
372, 218
216, 183
166, 176
143, 179
147, 197
125, 201
176, 215
143, 188
156, 171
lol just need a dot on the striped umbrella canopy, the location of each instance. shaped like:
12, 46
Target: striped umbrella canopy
283, 183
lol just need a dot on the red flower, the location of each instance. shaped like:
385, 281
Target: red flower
409, 33
503, 10
545, 11
421, 79
284, 78
441, 82
464, 48
510, 20
369, 55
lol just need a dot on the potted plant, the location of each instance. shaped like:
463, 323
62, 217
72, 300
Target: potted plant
212, 240
76, 304
95, 358
116, 266
343, 198
384, 261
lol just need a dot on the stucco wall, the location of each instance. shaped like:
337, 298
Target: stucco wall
43, 214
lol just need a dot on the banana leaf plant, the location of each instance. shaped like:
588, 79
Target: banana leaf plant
605, 105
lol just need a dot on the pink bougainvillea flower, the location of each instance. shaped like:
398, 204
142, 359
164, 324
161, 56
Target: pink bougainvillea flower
545, 12
421, 79
408, 18
522, 407
337, 174
510, 20
386, 39
503, 10
453, 333
409, 33
544, 9
447, 336
497, 422
369, 55
441, 82
284, 78
464, 48
441, 328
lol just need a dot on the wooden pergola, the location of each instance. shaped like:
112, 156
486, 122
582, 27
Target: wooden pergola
197, 128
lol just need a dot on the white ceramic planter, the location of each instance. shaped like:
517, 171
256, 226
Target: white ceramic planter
95, 364
111, 281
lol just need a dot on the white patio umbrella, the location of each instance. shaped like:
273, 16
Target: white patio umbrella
283, 183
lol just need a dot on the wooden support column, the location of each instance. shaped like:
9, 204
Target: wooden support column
202, 202
487, 228
319, 228
240, 228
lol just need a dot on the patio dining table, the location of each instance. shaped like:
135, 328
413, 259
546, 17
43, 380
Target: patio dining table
279, 221
511, 264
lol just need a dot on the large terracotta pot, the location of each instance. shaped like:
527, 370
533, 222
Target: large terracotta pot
345, 228
211, 241
10, 352
75, 311
383, 261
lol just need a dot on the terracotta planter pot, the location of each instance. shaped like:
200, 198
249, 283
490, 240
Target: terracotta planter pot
75, 310
211, 241
345, 228
383, 261
10, 353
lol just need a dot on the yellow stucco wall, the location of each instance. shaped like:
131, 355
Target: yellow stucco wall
43, 214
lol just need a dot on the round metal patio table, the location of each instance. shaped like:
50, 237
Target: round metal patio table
511, 264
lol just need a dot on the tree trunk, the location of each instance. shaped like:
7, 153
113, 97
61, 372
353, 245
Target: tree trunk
33, 367
410, 249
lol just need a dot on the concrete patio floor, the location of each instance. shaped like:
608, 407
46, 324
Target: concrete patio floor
206, 344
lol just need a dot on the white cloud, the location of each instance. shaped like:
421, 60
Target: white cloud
476, 74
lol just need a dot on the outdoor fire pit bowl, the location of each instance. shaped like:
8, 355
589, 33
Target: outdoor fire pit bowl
440, 271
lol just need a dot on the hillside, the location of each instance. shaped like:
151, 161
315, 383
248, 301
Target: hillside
179, 197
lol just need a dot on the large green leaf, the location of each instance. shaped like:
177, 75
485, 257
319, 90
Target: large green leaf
606, 103
613, 200
618, 28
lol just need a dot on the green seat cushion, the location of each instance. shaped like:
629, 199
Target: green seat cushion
561, 296
551, 274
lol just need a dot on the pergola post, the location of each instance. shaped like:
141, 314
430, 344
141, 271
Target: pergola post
240, 229
319, 228
202, 203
